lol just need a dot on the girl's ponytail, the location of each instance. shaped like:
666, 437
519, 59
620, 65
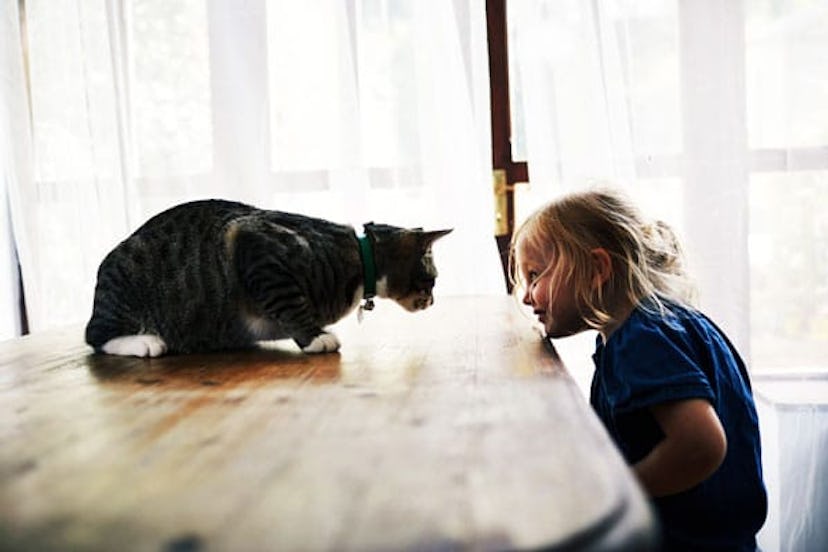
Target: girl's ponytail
665, 261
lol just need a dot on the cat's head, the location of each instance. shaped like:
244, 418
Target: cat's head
405, 266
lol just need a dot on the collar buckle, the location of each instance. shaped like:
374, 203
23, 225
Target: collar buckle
369, 275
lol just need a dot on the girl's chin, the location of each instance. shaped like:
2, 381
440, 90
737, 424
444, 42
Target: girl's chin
556, 333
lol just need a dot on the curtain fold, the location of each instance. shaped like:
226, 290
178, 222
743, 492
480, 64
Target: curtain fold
15, 147
574, 91
353, 111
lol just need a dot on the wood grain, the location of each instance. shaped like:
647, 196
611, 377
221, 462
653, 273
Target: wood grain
454, 428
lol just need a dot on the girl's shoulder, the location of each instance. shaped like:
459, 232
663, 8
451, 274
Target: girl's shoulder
668, 321
653, 357
667, 313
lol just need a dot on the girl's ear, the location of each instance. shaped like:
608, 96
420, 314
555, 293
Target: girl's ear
602, 263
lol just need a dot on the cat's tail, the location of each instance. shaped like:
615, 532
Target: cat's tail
98, 332
107, 323
110, 337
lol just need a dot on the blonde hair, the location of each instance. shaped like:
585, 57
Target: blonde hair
647, 260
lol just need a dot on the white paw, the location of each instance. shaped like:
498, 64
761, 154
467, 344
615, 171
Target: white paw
323, 343
144, 345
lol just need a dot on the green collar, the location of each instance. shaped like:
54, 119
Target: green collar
369, 270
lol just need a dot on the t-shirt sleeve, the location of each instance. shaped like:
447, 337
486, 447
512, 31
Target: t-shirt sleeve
653, 364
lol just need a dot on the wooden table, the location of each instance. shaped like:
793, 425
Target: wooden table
454, 428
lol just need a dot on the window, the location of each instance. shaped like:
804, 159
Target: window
721, 128
786, 50
170, 88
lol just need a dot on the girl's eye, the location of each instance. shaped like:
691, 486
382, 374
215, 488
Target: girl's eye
532, 276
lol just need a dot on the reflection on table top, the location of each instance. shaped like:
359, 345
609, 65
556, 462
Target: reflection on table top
454, 428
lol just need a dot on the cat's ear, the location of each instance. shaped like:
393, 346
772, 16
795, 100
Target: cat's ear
381, 232
429, 238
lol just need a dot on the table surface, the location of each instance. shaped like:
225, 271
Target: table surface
454, 428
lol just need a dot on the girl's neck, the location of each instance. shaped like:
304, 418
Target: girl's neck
621, 311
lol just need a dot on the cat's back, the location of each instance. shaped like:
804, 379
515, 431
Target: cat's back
195, 216
177, 234
212, 217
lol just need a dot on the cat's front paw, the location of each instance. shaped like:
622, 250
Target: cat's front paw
144, 345
322, 343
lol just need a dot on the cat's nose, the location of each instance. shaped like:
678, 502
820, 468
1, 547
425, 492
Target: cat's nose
424, 303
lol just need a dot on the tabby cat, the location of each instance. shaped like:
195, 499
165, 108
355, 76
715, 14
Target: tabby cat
213, 274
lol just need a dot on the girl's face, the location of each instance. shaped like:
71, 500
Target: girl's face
557, 309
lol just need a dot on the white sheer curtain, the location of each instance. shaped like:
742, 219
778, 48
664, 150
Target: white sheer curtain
712, 114
605, 92
352, 110
14, 142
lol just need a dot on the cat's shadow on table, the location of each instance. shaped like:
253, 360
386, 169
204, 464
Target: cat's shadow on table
268, 364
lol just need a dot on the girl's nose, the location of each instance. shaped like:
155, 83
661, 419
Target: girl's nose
527, 297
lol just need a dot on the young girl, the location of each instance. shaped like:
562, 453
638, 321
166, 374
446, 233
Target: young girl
668, 385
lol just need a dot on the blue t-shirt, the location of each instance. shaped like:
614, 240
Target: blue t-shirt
651, 359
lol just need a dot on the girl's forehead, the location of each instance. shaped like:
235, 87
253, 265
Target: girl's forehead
529, 253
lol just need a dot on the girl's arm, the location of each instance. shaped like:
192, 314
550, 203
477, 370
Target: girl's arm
693, 447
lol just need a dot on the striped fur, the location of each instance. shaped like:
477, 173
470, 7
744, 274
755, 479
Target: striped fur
211, 275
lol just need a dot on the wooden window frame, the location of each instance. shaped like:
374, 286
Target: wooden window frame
507, 170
